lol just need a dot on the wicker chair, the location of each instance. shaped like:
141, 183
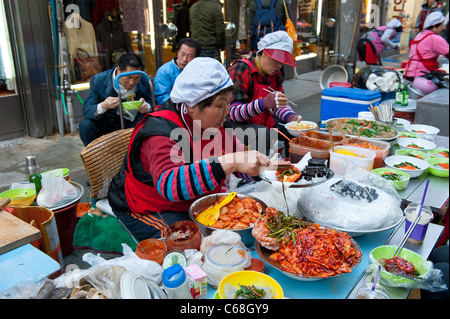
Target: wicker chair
103, 159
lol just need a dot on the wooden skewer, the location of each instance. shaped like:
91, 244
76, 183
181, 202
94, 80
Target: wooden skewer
331, 139
342, 133
284, 136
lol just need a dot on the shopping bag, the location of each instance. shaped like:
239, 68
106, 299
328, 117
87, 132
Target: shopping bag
85, 65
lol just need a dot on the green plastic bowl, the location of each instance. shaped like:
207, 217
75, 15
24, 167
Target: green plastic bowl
398, 185
66, 172
437, 171
131, 105
433, 153
20, 196
403, 152
386, 251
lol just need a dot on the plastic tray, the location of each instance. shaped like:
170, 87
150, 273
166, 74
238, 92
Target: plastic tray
380, 154
338, 161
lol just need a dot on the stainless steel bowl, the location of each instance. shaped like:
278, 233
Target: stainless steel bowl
209, 200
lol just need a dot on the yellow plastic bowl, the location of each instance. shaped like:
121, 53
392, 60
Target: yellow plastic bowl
250, 277
20, 196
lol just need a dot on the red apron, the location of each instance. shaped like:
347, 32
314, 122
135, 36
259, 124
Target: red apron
265, 118
431, 64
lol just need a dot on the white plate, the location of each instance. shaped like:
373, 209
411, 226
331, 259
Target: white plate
396, 159
425, 144
401, 122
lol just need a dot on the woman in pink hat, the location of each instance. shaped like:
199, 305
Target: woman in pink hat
259, 103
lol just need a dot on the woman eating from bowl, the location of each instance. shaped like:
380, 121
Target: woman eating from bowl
180, 153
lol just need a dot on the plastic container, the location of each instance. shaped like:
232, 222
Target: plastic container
183, 235
151, 249
318, 143
340, 84
426, 216
346, 102
66, 221
175, 283
364, 159
380, 154
222, 260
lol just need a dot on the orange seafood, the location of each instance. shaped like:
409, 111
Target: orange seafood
317, 252
237, 214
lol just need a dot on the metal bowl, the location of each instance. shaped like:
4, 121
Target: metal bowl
333, 73
209, 200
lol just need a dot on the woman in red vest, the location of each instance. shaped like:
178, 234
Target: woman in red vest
426, 47
254, 107
181, 152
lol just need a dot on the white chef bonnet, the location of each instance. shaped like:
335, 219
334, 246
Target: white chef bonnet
278, 40
433, 18
394, 23
199, 80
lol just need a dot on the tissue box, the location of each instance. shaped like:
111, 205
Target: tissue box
197, 281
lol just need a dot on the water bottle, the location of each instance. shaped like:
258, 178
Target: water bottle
323, 126
175, 283
33, 171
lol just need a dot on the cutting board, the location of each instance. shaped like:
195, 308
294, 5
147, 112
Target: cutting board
14, 232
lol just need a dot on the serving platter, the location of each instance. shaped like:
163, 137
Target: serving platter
265, 254
386, 139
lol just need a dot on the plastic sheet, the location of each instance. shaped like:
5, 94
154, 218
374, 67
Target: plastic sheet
56, 191
362, 201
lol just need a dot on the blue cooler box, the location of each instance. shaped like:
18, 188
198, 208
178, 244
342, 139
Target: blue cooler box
346, 102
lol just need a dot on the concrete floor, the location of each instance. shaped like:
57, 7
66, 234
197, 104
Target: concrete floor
58, 151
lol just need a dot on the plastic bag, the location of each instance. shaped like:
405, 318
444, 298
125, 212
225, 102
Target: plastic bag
103, 273
56, 191
432, 279
330, 204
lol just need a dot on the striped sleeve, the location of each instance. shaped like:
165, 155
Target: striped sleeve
284, 113
248, 177
240, 112
189, 181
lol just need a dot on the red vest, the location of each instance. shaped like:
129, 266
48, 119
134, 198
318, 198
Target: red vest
143, 197
266, 118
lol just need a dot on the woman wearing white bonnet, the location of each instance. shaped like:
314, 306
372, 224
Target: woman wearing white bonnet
372, 43
181, 152
426, 47
259, 103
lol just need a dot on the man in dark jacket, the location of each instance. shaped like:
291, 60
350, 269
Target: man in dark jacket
100, 112
208, 27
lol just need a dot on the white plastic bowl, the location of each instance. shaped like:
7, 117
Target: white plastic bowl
430, 134
396, 159
308, 126
425, 145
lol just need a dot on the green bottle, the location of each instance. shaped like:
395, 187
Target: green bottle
405, 97
33, 171
399, 94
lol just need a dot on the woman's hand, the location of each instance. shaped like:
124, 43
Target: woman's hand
275, 100
247, 162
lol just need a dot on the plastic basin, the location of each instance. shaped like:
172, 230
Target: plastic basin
20, 196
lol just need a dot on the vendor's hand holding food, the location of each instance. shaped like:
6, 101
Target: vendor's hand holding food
110, 103
251, 162
275, 100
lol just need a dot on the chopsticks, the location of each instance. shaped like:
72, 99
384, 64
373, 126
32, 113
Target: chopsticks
383, 112
270, 90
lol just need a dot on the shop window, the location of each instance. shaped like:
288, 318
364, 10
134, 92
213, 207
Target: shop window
7, 71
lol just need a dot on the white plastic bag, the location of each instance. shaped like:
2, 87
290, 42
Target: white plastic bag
330, 205
56, 191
